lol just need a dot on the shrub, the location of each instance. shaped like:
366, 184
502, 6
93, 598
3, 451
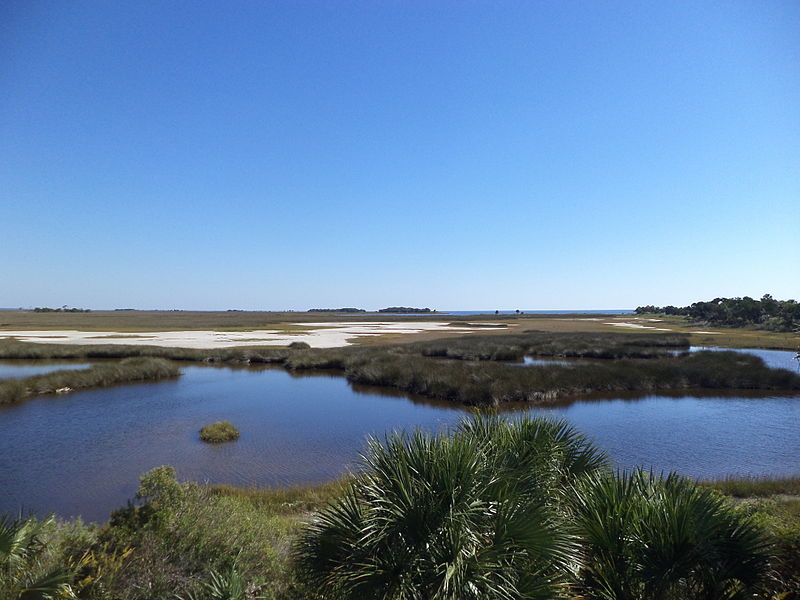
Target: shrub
645, 537
26, 568
527, 509
469, 515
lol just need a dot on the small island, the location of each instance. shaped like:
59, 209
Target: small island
405, 310
216, 433
348, 309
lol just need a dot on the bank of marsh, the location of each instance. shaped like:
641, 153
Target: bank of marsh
470, 369
129, 370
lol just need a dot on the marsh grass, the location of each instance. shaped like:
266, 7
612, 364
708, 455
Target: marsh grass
129, 370
492, 383
291, 501
756, 487
567, 345
14, 349
471, 369
216, 433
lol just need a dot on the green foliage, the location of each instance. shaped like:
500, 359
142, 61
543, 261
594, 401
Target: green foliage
779, 515
299, 346
648, 538
196, 542
160, 489
222, 586
468, 515
207, 543
525, 509
25, 571
767, 313
219, 432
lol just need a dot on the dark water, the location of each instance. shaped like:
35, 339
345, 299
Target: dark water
83, 453
776, 359
15, 369
532, 361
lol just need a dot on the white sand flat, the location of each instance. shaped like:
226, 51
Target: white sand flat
320, 335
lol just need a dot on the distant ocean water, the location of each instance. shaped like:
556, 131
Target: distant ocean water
624, 311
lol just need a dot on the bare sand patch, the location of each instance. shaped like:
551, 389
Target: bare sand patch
637, 326
318, 335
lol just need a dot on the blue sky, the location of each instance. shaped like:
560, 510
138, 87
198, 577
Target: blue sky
457, 155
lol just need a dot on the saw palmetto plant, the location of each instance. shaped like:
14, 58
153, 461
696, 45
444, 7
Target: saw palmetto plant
24, 575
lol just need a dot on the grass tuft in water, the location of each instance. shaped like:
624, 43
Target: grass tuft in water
216, 433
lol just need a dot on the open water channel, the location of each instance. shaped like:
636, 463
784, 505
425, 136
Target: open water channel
82, 453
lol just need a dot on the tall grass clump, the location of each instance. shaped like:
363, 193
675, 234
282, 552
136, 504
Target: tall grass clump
129, 370
216, 433
755, 487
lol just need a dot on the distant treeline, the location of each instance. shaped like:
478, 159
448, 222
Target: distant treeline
336, 310
405, 309
767, 313
44, 309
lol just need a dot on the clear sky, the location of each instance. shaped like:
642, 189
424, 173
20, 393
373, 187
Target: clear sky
456, 155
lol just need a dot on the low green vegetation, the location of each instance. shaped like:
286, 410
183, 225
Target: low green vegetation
767, 313
129, 370
30, 567
219, 432
406, 310
756, 487
492, 509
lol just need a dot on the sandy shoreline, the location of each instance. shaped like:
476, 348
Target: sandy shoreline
318, 335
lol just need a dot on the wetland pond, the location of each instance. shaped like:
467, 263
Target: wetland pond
83, 453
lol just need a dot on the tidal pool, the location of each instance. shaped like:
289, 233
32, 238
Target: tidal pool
82, 454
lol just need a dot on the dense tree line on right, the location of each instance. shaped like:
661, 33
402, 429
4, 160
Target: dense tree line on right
766, 313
